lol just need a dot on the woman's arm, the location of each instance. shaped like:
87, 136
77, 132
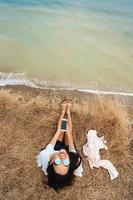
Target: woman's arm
55, 138
58, 132
70, 142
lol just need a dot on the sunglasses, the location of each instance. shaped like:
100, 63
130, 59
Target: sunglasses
65, 162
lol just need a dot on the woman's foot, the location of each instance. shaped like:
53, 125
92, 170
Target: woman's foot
64, 106
69, 106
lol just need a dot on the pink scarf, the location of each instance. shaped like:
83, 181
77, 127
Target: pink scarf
91, 151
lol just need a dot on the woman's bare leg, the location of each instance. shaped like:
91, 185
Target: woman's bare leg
69, 121
64, 106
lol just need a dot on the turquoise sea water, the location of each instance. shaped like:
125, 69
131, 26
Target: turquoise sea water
85, 43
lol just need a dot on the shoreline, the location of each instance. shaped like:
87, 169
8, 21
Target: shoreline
15, 79
127, 101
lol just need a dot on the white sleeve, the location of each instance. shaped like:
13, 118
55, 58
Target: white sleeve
79, 171
43, 157
73, 150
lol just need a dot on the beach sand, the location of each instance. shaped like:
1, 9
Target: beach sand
28, 120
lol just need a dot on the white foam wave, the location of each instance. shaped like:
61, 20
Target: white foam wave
15, 79
22, 79
106, 92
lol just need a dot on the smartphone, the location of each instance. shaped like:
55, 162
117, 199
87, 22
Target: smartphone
64, 125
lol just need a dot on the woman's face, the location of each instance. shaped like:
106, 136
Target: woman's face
60, 168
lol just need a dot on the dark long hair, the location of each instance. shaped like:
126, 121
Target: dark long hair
58, 181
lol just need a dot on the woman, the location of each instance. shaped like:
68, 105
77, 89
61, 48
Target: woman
60, 159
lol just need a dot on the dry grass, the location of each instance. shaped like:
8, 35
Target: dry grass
28, 123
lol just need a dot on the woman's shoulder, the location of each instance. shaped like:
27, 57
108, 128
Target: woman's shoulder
44, 155
45, 152
48, 147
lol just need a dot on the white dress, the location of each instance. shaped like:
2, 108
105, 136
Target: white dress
43, 159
